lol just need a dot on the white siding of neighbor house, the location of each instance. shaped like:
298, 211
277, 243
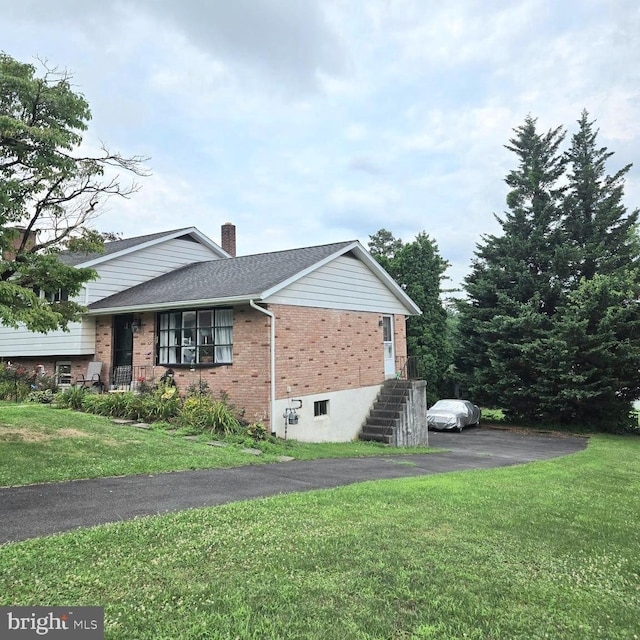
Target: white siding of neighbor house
123, 272
79, 340
116, 274
344, 283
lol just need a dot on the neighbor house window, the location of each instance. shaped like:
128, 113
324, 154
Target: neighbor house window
203, 336
60, 295
321, 408
63, 374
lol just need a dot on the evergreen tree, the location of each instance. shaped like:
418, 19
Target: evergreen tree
598, 329
513, 288
598, 230
551, 330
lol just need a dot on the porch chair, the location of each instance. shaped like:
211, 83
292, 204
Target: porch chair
92, 378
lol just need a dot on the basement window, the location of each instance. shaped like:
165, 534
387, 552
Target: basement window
321, 408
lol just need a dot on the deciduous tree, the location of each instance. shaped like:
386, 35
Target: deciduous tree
49, 193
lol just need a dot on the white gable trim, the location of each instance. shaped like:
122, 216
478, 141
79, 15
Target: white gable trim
190, 231
364, 256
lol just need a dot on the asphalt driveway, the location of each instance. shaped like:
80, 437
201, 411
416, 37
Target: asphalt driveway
43, 509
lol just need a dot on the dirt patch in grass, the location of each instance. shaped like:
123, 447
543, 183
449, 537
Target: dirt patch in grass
16, 434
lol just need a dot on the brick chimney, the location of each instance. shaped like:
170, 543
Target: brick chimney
228, 238
10, 253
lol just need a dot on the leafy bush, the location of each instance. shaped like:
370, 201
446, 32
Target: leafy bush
45, 383
492, 415
11, 390
71, 398
15, 382
206, 414
44, 396
257, 431
113, 405
162, 403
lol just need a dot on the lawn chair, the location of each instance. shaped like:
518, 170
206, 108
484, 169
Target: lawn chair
92, 378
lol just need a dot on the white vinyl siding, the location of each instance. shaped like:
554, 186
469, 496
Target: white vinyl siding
79, 340
115, 275
344, 283
136, 267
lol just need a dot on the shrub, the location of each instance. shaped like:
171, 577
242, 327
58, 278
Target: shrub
15, 382
45, 383
113, 405
161, 403
44, 396
492, 415
204, 414
257, 431
71, 398
198, 389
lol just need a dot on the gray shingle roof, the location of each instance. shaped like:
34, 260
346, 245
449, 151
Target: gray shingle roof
242, 277
115, 246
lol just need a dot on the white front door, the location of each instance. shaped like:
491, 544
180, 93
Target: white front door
389, 350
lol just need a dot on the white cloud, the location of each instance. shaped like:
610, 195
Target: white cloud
308, 122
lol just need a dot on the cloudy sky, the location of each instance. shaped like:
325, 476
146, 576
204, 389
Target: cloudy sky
313, 121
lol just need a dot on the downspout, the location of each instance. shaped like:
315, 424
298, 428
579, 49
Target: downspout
272, 361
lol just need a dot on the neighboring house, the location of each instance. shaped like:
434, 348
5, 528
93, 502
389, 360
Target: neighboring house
324, 325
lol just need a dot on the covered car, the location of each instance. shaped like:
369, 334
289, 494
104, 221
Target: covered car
452, 414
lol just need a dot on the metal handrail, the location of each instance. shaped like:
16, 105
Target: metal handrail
407, 368
129, 378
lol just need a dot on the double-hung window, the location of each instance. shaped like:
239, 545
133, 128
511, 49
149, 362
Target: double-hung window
63, 374
201, 336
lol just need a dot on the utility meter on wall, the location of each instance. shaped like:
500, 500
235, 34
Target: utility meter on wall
290, 415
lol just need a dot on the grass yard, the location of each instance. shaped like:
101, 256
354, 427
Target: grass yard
42, 444
546, 550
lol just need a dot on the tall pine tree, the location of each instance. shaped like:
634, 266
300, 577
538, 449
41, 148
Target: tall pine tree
598, 329
551, 329
513, 288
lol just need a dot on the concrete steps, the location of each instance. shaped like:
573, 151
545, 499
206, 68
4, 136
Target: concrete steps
385, 413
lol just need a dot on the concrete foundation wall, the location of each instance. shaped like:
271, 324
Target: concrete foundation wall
347, 410
412, 429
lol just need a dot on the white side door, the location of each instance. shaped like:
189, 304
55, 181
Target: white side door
389, 348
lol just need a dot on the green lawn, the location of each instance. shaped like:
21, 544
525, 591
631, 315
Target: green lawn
42, 444
546, 550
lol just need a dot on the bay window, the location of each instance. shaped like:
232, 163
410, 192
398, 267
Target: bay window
199, 336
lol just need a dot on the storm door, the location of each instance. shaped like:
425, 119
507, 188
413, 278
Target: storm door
122, 350
389, 347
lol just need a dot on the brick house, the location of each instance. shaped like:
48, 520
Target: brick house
323, 325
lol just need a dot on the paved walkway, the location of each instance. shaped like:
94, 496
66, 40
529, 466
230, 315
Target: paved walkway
38, 510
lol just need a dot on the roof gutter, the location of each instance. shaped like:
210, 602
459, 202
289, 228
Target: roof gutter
272, 361
166, 306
